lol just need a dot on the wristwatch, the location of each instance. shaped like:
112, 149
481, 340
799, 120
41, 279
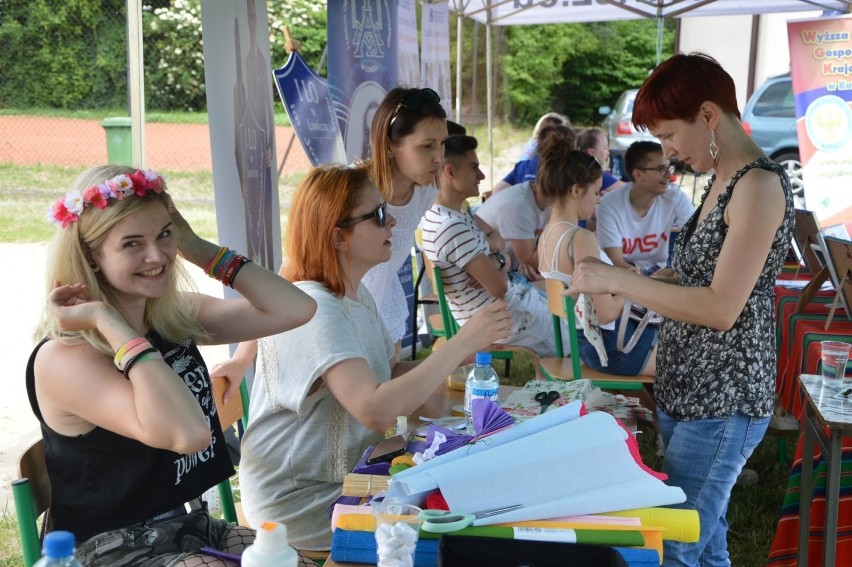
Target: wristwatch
500, 258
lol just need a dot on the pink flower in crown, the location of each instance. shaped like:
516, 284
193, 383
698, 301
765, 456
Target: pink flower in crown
95, 196
122, 186
156, 182
74, 202
59, 214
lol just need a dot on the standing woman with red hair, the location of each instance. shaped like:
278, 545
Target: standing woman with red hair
716, 357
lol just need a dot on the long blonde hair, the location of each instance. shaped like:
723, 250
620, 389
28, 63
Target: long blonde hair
172, 315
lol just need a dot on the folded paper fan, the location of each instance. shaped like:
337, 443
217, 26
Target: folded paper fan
488, 418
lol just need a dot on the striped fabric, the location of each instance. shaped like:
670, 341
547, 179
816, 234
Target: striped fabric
785, 547
451, 240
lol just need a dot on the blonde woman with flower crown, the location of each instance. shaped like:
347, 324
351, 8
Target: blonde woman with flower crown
117, 382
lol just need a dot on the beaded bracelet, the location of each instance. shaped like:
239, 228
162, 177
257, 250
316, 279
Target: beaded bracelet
136, 359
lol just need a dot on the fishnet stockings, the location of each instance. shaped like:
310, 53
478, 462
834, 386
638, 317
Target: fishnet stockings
236, 540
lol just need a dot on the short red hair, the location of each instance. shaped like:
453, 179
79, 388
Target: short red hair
678, 86
325, 197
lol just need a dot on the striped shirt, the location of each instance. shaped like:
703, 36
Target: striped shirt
451, 240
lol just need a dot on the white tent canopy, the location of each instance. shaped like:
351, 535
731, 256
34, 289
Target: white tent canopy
520, 12
528, 12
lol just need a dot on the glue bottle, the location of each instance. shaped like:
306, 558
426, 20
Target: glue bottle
270, 547
482, 383
58, 550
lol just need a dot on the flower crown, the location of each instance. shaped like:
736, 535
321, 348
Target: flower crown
67, 209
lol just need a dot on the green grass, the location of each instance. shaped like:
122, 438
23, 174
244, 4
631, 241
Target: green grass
151, 116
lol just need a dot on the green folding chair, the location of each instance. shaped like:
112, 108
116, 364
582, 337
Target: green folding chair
451, 327
239, 405
31, 492
570, 368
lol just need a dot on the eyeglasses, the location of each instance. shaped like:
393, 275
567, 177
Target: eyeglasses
660, 169
380, 214
415, 100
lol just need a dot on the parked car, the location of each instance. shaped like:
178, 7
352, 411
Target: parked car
618, 125
770, 118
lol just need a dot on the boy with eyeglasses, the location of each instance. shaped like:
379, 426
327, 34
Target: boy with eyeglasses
635, 221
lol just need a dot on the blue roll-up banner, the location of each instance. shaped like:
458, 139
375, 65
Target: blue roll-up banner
311, 110
362, 65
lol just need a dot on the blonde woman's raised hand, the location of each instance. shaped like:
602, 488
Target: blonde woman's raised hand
71, 307
190, 245
487, 326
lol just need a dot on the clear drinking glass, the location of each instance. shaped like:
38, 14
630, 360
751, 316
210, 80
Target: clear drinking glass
397, 531
834, 355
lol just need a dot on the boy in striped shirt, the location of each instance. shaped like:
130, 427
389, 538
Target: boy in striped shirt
474, 269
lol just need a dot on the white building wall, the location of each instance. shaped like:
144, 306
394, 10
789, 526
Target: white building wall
728, 39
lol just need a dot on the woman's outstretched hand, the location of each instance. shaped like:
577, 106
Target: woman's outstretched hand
71, 307
487, 326
592, 276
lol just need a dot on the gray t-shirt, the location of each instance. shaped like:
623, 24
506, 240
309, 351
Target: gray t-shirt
515, 214
298, 447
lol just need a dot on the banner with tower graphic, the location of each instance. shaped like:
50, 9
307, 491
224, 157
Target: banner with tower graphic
363, 65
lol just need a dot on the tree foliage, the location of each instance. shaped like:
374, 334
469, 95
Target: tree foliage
72, 54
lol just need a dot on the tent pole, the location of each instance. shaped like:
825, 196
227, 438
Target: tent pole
489, 96
459, 30
136, 82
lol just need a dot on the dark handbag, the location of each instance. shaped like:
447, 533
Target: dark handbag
468, 551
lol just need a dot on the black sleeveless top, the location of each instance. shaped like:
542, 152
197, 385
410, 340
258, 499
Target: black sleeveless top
102, 481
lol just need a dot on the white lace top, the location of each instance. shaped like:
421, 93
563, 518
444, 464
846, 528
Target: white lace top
381, 280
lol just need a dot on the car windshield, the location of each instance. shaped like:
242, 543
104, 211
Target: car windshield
776, 101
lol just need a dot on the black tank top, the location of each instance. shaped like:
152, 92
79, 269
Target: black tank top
102, 481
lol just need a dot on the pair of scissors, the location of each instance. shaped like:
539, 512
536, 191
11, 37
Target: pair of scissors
546, 398
445, 521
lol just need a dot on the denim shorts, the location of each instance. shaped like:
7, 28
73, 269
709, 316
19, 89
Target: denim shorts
160, 545
619, 363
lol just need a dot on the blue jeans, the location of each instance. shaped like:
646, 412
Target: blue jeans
704, 458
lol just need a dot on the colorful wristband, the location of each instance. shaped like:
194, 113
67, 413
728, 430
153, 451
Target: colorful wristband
136, 359
123, 349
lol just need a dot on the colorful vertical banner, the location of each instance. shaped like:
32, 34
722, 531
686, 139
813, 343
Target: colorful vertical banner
408, 72
311, 110
821, 70
242, 127
435, 52
362, 65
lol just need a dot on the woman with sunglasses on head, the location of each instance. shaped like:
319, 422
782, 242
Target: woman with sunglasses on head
408, 133
715, 380
570, 182
407, 136
323, 393
117, 382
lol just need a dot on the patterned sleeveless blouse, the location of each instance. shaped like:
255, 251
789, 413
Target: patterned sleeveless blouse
704, 372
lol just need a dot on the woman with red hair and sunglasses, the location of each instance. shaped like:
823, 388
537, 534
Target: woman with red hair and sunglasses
716, 362
323, 392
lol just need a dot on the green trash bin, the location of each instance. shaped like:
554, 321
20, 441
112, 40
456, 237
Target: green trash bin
119, 142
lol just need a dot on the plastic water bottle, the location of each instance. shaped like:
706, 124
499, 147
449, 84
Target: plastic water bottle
270, 547
58, 550
481, 384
